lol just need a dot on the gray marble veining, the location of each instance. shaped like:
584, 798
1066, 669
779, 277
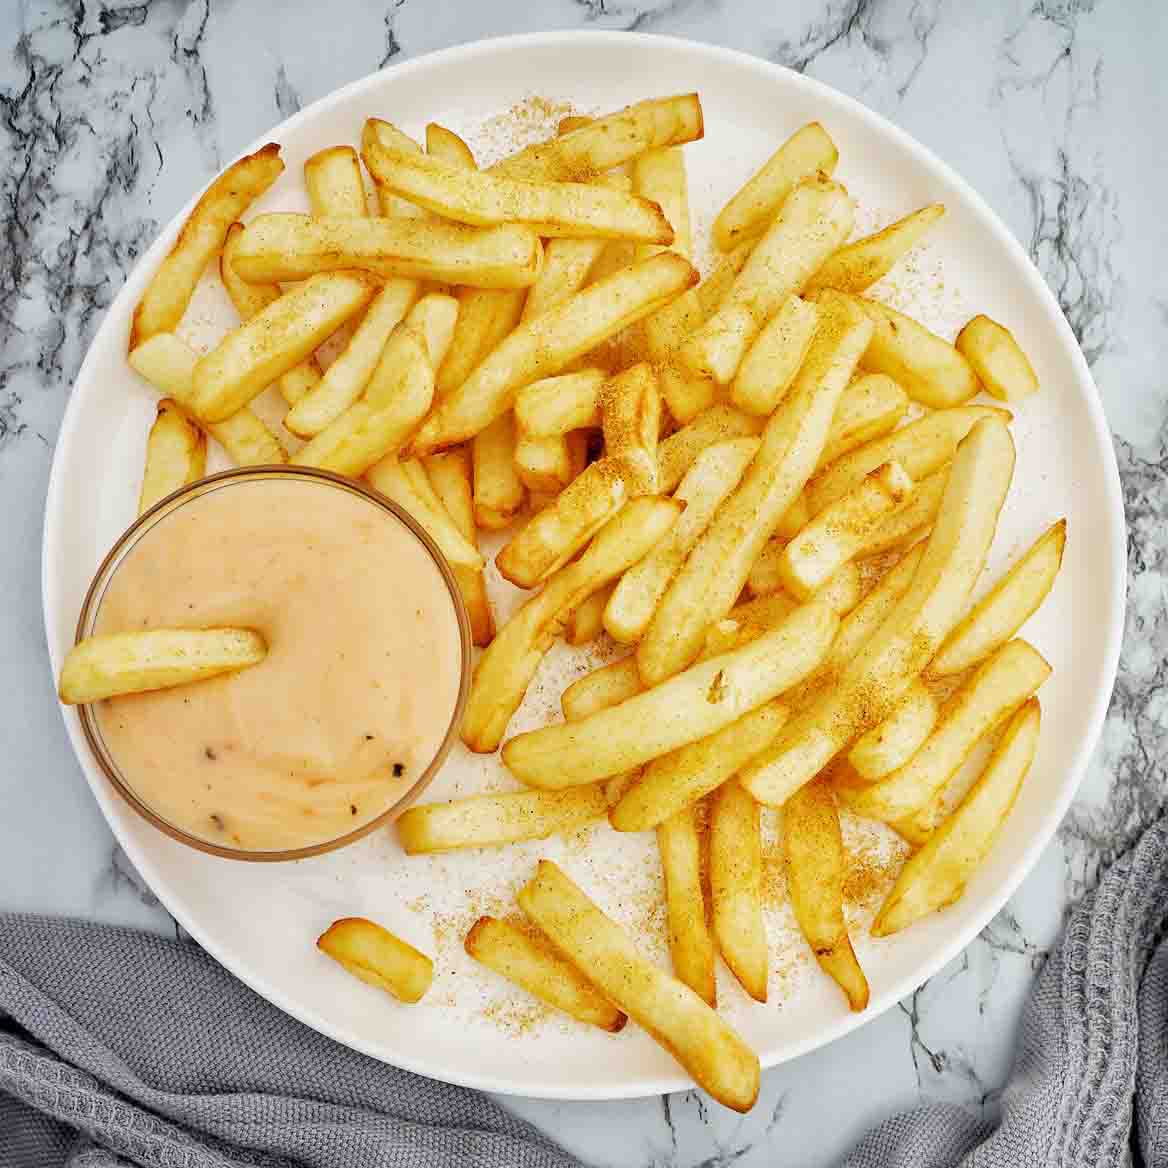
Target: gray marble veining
111, 113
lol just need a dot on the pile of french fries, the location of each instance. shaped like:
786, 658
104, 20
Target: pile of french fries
773, 489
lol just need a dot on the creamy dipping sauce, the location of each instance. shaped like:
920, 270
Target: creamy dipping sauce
354, 698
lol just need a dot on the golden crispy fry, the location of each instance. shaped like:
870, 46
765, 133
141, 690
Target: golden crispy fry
911, 520
716, 571
378, 958
581, 154
690, 944
376, 130
349, 374
288, 246
770, 365
715, 473
444, 143
390, 478
812, 223
176, 454
736, 886
659, 176
508, 664
587, 620
485, 317
857, 266
630, 417
200, 240
929, 369
125, 663
250, 300
480, 199
807, 152
692, 705
720, 1062
838, 533
514, 955
813, 848
998, 687
997, 359
677, 453
567, 264
253, 355
746, 622
871, 684
498, 490
936, 876
557, 405
451, 476
169, 365
678, 779
604, 687
543, 346
921, 448
1006, 608
891, 744
544, 464
334, 183
487, 820
870, 407
795, 518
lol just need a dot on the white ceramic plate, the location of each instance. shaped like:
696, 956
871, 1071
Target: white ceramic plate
260, 920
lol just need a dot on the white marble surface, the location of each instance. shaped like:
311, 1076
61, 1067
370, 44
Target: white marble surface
1054, 109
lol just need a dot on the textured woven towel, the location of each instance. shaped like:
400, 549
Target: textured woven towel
119, 1048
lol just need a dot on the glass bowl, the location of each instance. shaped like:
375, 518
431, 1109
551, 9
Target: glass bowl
90, 609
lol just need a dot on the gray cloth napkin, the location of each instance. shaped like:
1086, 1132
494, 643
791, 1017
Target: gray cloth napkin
121, 1048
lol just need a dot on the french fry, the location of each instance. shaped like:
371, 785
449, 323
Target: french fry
691, 946
669, 1010
813, 221
717, 569
543, 464
288, 246
746, 622
736, 886
126, 663
250, 300
838, 533
659, 176
543, 346
869, 408
795, 518
935, 876
997, 688
390, 478
869, 686
587, 620
770, 365
602, 143
334, 183
566, 267
508, 664
630, 418
349, 374
604, 687
692, 705
679, 451
452, 478
929, 369
997, 359
176, 454
485, 317
921, 448
686, 394
519, 958
556, 405
488, 820
169, 365
1006, 608
260, 350
813, 849
200, 240
857, 266
891, 744
551, 538
912, 519
714, 474
378, 958
444, 143
766, 580
387, 134
807, 152
481, 199
676, 780
498, 490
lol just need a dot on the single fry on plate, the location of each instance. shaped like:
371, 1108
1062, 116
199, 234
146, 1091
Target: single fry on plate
871, 406
558, 405
378, 958
603, 687
997, 359
691, 946
587, 620
335, 184
891, 744
770, 365
442, 142
717, 424
176, 454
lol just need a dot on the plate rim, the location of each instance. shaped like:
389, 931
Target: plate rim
988, 220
